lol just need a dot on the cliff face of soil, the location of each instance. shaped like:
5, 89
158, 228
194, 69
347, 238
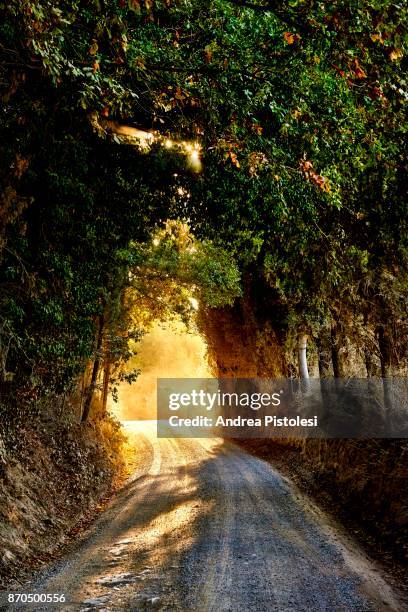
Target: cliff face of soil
242, 344
54, 473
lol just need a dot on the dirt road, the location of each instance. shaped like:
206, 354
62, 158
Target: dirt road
205, 526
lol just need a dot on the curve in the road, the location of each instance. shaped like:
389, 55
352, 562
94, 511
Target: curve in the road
204, 526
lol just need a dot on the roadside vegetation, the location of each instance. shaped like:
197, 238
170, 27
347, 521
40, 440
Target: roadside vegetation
247, 157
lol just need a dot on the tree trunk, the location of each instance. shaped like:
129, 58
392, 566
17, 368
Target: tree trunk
302, 358
369, 363
324, 354
338, 370
368, 350
5, 343
3, 360
106, 377
384, 342
95, 371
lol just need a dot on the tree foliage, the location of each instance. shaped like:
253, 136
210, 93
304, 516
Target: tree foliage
299, 111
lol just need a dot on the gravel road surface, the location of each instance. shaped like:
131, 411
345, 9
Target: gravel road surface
204, 526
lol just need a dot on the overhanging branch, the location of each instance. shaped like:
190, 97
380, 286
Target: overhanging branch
297, 20
144, 140
261, 8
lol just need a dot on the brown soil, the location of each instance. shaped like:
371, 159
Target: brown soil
55, 476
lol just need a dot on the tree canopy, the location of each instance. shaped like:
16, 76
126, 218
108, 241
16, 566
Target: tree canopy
297, 113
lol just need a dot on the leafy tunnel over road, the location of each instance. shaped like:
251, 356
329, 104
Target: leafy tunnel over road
295, 115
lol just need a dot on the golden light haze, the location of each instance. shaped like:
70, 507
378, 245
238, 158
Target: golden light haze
166, 351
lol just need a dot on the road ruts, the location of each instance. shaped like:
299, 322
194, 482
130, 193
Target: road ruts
203, 526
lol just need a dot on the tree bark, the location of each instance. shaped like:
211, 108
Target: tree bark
302, 357
3, 360
106, 377
368, 350
324, 354
95, 371
369, 363
338, 370
385, 344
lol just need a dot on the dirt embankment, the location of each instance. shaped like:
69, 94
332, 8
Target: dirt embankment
241, 342
54, 476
